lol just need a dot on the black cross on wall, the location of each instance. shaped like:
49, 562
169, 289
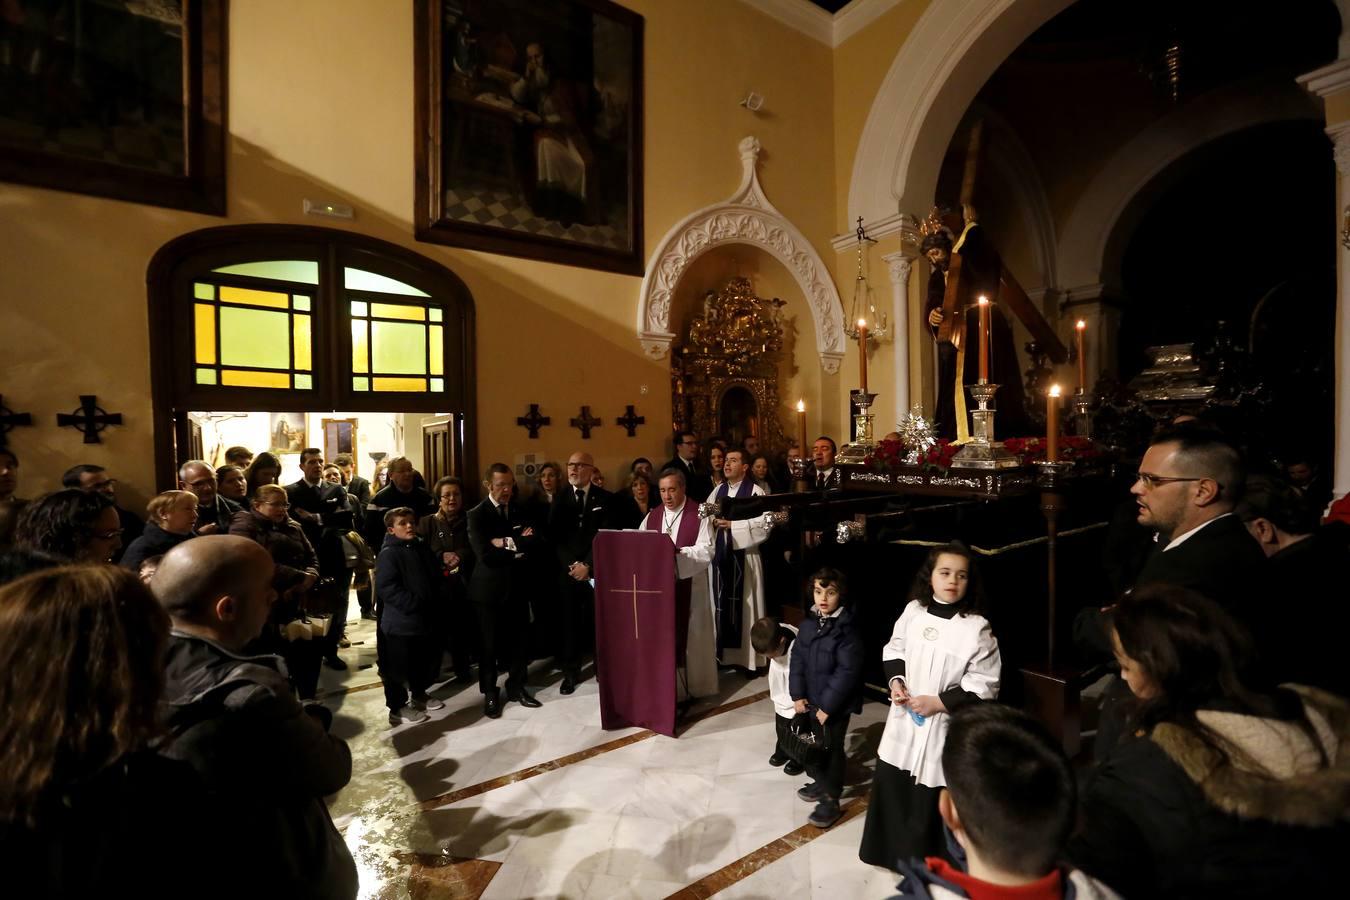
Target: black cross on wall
89, 418
9, 420
533, 421
631, 420
585, 422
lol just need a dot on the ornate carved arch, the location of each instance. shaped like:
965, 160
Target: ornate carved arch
747, 217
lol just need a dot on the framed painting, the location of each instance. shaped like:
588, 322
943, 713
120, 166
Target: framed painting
287, 431
529, 129
123, 100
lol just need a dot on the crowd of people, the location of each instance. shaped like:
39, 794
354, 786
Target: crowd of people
187, 664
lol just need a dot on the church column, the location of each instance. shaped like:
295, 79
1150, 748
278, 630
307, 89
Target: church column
899, 265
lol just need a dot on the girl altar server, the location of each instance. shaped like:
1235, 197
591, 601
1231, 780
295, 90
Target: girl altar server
942, 655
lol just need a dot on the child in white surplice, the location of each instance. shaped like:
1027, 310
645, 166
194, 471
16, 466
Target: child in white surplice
942, 655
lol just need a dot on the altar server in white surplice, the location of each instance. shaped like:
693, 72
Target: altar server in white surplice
677, 517
942, 655
736, 576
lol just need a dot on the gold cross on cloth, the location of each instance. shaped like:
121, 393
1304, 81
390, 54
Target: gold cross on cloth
634, 591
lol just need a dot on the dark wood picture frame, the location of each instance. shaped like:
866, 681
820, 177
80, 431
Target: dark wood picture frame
200, 187
464, 100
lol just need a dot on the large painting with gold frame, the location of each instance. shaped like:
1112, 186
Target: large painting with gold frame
529, 129
122, 100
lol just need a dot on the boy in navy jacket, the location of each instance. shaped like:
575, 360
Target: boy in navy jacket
826, 681
407, 585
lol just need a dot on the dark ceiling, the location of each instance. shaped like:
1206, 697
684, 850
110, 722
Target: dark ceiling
830, 6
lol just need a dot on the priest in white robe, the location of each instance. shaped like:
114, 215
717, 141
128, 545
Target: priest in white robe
677, 517
736, 576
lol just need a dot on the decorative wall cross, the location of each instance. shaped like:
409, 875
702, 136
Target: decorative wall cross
9, 420
533, 421
585, 422
89, 418
631, 420
634, 592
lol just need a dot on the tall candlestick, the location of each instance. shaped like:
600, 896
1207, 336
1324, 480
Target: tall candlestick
1052, 424
1081, 328
984, 339
801, 427
862, 353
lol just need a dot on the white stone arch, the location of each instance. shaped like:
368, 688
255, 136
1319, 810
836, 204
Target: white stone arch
1104, 209
954, 48
747, 217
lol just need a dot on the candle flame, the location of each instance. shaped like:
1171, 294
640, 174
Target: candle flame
983, 300
1081, 325
1054, 390
801, 406
862, 323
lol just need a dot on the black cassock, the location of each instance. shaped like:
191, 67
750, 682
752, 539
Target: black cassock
981, 269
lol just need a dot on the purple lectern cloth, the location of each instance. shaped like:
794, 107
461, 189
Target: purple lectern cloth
635, 629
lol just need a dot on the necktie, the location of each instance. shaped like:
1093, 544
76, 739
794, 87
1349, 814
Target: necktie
581, 498
820, 480
502, 511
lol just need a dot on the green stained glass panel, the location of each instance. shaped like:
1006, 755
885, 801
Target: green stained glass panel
360, 384
361, 280
399, 348
255, 337
301, 270
206, 376
436, 314
204, 291
304, 382
299, 301
438, 384
359, 308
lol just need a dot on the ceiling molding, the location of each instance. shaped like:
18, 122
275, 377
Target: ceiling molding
816, 23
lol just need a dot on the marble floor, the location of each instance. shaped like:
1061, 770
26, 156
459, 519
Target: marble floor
544, 803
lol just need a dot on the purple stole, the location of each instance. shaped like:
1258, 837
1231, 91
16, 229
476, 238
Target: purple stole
686, 536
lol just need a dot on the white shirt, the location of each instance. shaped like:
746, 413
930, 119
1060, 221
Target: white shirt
780, 670
1178, 541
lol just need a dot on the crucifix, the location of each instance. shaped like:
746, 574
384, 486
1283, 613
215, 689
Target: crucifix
634, 591
533, 421
90, 419
585, 422
631, 420
9, 420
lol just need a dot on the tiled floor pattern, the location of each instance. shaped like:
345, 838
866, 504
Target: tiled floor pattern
545, 803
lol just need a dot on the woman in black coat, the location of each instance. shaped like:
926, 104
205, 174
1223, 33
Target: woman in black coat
1225, 788
170, 518
447, 535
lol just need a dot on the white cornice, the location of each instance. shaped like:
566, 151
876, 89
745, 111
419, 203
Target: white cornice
1328, 80
816, 23
898, 223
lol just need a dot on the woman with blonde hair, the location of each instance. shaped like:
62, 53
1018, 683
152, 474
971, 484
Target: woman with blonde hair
169, 518
82, 794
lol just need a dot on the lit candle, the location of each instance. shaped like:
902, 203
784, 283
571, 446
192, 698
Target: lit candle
862, 353
1081, 327
801, 427
984, 340
1052, 424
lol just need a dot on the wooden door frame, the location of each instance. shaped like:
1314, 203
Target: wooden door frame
333, 247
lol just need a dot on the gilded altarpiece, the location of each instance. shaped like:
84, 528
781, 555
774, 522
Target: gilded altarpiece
724, 371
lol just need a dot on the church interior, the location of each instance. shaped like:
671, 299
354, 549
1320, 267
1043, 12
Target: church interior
561, 235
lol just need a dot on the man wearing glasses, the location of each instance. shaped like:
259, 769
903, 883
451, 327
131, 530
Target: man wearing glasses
214, 512
96, 480
698, 483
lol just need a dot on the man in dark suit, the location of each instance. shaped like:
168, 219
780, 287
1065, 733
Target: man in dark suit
214, 512
578, 512
1189, 482
402, 490
823, 474
356, 486
502, 539
698, 484
322, 510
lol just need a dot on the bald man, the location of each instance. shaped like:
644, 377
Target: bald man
578, 512
234, 718
213, 511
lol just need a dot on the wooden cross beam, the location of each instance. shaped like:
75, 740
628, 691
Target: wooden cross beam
9, 420
89, 419
533, 421
585, 422
631, 420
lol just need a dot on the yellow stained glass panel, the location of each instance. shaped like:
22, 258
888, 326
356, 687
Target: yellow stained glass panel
398, 348
251, 297
302, 342
437, 350
241, 378
253, 337
205, 322
360, 346
400, 384
399, 311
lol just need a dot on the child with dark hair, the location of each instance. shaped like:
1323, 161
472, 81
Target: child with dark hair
942, 656
825, 680
773, 640
407, 580
1009, 806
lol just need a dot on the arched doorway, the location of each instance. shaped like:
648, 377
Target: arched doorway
281, 319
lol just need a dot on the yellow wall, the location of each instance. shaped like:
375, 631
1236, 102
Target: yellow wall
321, 107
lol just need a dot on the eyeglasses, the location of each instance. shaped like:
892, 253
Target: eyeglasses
572, 465
1151, 481
277, 505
